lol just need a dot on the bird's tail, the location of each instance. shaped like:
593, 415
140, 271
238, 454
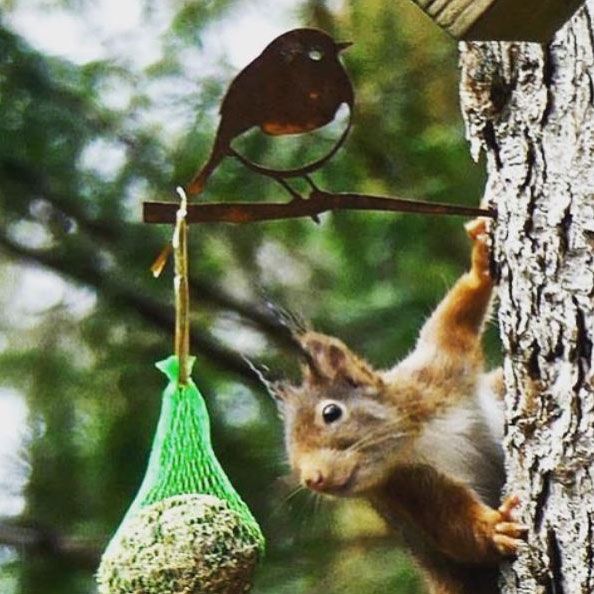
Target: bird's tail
196, 185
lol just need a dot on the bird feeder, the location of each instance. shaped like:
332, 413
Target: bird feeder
187, 531
501, 20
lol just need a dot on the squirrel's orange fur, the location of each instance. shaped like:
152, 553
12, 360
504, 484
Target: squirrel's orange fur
420, 442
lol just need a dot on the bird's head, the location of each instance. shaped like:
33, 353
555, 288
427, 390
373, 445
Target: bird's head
313, 45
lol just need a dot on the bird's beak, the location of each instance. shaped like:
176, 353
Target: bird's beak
342, 45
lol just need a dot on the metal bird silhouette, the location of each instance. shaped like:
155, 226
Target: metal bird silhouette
296, 85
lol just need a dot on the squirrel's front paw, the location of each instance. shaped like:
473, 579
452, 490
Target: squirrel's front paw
477, 230
508, 534
497, 532
477, 227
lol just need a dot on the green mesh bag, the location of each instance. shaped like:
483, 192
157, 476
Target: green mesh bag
187, 531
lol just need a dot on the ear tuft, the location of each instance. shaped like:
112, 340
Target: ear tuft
278, 389
331, 360
336, 356
286, 318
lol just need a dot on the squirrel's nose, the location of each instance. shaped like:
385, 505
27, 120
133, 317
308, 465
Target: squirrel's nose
315, 481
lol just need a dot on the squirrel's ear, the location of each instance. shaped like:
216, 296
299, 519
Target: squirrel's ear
330, 360
278, 389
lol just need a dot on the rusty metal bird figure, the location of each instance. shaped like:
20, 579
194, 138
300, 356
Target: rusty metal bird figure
296, 85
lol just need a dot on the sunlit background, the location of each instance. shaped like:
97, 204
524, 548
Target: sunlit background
107, 103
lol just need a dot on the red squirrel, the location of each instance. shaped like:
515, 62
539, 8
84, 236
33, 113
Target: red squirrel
421, 442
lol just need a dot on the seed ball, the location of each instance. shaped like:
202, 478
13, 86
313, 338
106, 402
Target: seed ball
187, 544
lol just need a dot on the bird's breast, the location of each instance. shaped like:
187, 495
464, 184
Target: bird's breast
279, 128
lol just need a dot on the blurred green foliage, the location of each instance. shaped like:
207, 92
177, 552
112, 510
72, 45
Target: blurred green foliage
87, 372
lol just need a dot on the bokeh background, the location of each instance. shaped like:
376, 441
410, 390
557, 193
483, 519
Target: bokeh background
107, 103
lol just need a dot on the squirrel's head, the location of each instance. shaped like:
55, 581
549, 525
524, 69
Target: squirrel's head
341, 432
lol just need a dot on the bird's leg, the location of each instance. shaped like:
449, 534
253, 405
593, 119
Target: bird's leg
283, 182
271, 174
315, 191
296, 196
314, 188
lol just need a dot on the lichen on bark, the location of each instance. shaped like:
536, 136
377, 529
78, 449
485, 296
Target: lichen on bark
530, 109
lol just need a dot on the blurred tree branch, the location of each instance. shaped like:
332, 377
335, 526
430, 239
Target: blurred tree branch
152, 310
83, 553
86, 552
112, 232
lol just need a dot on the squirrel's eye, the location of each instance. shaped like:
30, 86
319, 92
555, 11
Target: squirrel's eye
331, 413
315, 54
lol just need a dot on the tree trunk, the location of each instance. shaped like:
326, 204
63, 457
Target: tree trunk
530, 108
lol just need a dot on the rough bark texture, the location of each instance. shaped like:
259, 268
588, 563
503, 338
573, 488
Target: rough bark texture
530, 108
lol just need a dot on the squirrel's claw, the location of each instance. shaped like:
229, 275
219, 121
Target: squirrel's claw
506, 545
509, 535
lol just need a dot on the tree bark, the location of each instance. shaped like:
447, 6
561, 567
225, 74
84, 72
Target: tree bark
530, 108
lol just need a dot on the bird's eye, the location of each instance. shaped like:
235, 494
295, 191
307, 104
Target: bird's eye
331, 413
315, 54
